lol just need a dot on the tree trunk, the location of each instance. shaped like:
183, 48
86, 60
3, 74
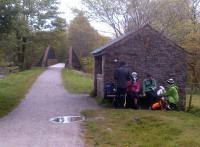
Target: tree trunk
23, 53
18, 48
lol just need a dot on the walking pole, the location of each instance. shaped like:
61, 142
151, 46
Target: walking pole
125, 100
114, 100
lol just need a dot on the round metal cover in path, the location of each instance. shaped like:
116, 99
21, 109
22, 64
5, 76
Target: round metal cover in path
2, 76
66, 119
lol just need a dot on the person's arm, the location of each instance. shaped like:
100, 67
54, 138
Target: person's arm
168, 92
138, 86
143, 86
154, 85
128, 76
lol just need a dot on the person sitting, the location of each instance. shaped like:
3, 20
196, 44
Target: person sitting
172, 94
134, 87
149, 87
161, 103
122, 76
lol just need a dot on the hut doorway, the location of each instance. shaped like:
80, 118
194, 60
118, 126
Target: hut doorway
99, 80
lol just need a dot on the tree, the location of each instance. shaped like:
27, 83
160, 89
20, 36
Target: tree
108, 12
141, 12
23, 17
81, 36
84, 38
172, 18
126, 15
192, 42
59, 38
121, 15
195, 14
7, 14
56, 38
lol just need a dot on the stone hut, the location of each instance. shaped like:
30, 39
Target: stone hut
145, 51
48, 57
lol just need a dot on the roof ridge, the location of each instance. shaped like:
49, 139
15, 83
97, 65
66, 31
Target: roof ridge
114, 41
133, 32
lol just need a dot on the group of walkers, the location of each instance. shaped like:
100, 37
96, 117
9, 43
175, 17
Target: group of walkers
133, 93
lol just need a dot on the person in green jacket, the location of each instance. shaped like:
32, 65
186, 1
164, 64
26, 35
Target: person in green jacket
149, 86
172, 94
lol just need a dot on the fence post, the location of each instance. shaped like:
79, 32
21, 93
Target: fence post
191, 96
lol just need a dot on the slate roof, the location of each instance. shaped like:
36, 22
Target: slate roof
99, 51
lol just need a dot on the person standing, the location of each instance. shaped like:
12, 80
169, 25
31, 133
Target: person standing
134, 88
149, 87
122, 76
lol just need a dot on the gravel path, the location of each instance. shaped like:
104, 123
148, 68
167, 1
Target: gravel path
29, 126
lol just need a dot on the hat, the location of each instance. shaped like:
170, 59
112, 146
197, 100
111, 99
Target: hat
170, 81
134, 74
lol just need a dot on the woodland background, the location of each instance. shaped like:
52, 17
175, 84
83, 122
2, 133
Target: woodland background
27, 27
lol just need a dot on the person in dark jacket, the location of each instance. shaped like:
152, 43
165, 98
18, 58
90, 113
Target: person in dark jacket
122, 76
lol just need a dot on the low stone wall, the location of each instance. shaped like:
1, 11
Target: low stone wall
7, 70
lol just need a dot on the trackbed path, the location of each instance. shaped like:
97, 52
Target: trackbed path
29, 126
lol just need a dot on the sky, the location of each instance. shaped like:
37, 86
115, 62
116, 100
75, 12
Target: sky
65, 7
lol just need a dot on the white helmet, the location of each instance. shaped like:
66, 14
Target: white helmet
134, 74
170, 81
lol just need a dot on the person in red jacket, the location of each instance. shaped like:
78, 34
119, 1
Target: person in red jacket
134, 87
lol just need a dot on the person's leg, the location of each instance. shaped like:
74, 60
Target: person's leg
120, 97
173, 106
117, 98
136, 97
129, 99
149, 99
123, 97
134, 100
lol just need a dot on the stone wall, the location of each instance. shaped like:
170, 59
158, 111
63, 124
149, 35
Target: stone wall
149, 52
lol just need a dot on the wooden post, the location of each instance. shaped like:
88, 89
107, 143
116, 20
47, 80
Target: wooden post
95, 77
191, 96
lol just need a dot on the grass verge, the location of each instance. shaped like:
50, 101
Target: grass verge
77, 82
128, 128
131, 128
14, 87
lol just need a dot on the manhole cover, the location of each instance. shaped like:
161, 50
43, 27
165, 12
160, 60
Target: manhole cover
66, 119
2, 76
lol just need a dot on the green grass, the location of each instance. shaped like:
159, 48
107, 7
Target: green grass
195, 110
195, 100
143, 128
77, 82
14, 87
129, 128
